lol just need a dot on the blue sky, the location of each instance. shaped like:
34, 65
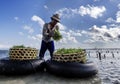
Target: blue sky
84, 23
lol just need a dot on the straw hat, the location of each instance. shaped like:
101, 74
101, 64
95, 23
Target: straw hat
56, 17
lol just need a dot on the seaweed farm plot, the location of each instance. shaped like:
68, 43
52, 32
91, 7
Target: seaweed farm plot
103, 53
108, 64
107, 61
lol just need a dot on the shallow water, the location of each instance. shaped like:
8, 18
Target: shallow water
46, 78
109, 73
109, 67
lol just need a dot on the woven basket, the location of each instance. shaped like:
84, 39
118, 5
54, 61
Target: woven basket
73, 57
23, 53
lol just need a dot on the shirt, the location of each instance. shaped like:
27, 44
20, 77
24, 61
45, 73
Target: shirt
48, 33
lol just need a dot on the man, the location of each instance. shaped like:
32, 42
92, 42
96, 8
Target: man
48, 33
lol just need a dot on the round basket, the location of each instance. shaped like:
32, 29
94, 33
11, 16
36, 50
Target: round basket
23, 53
73, 57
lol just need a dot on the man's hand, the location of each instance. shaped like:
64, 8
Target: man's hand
57, 27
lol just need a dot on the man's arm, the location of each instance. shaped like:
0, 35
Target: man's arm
45, 33
53, 30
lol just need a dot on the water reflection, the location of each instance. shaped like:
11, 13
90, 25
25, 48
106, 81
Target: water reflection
46, 78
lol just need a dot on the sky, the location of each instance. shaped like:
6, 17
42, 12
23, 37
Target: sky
84, 23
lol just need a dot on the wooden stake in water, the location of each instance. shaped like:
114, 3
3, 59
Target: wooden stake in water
113, 55
99, 55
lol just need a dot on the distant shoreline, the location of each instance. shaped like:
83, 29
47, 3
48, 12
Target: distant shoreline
81, 48
102, 49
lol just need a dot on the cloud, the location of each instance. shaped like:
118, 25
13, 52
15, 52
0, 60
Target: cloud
45, 6
118, 17
90, 41
67, 12
72, 39
61, 26
83, 32
37, 37
63, 40
39, 20
96, 0
118, 6
21, 33
70, 36
117, 20
75, 33
29, 29
110, 20
92, 11
103, 34
16, 18
2, 46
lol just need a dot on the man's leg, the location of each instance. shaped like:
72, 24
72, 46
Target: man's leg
42, 50
51, 48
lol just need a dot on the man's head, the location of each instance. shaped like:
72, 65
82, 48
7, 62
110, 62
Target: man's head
56, 18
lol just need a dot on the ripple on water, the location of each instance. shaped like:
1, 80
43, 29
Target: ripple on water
116, 81
46, 78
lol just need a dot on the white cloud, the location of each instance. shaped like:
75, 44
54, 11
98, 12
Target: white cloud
38, 19
83, 32
117, 20
118, 17
37, 37
63, 40
4, 46
110, 20
118, 6
113, 25
72, 39
89, 41
103, 34
92, 11
29, 29
96, 0
45, 6
21, 33
16, 18
61, 26
70, 36
67, 12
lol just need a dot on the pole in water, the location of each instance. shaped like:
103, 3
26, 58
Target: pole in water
104, 56
113, 54
99, 54
89, 53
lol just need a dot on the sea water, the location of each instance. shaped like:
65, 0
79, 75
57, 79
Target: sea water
108, 71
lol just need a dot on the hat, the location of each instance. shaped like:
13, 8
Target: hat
56, 17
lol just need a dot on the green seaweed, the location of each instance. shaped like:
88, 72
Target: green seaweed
18, 46
57, 36
68, 51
